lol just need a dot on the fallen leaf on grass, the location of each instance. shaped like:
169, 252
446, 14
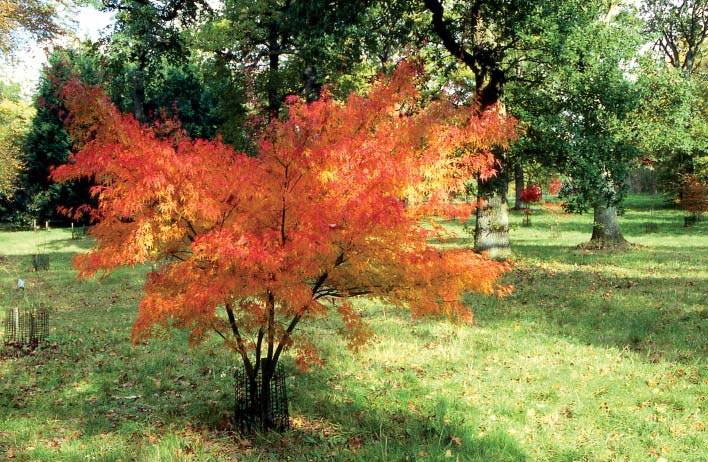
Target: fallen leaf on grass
131, 397
55, 443
354, 443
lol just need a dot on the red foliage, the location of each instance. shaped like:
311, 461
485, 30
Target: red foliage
330, 208
531, 194
554, 186
694, 195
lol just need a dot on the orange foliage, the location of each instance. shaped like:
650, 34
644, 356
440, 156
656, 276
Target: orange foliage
694, 195
330, 208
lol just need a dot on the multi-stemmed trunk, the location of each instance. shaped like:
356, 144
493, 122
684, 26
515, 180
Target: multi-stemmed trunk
259, 410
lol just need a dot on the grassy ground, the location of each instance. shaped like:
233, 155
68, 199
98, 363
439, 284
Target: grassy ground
596, 357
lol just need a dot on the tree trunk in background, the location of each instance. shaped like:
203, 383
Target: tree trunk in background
491, 233
139, 95
492, 227
312, 86
519, 186
273, 73
606, 230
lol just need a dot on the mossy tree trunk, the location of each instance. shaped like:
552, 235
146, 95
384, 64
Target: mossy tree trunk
492, 228
606, 230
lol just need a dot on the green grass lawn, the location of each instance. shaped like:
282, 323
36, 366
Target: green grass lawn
597, 356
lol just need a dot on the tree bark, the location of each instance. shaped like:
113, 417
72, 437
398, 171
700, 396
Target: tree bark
139, 94
519, 186
312, 86
492, 227
273, 73
606, 229
491, 233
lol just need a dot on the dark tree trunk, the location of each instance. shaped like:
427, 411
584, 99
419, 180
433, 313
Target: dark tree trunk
273, 74
606, 230
264, 412
312, 86
139, 95
491, 232
263, 404
519, 186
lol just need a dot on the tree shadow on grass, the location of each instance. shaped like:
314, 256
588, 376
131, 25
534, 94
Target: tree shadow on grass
632, 227
88, 393
397, 432
51, 246
661, 318
108, 410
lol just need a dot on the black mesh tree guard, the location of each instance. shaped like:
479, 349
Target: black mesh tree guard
26, 326
258, 408
40, 262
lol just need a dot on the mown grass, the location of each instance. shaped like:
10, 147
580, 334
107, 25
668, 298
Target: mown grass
597, 356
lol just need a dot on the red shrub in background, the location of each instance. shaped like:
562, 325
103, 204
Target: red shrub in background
531, 194
554, 186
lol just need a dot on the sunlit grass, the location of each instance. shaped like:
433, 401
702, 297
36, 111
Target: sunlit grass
597, 356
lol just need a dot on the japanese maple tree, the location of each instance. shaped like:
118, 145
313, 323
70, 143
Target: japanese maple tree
531, 194
330, 208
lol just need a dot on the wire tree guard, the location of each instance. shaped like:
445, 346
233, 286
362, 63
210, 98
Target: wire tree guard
40, 262
26, 327
248, 414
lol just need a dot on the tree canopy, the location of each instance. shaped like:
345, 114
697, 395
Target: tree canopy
15, 117
38, 18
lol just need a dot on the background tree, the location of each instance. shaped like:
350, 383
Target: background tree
679, 31
48, 144
670, 126
503, 42
147, 35
283, 47
15, 116
317, 217
694, 198
579, 117
37, 18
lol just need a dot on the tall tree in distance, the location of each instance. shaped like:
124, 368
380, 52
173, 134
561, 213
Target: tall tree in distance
680, 29
15, 118
584, 118
38, 18
329, 209
284, 47
47, 143
503, 42
147, 35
